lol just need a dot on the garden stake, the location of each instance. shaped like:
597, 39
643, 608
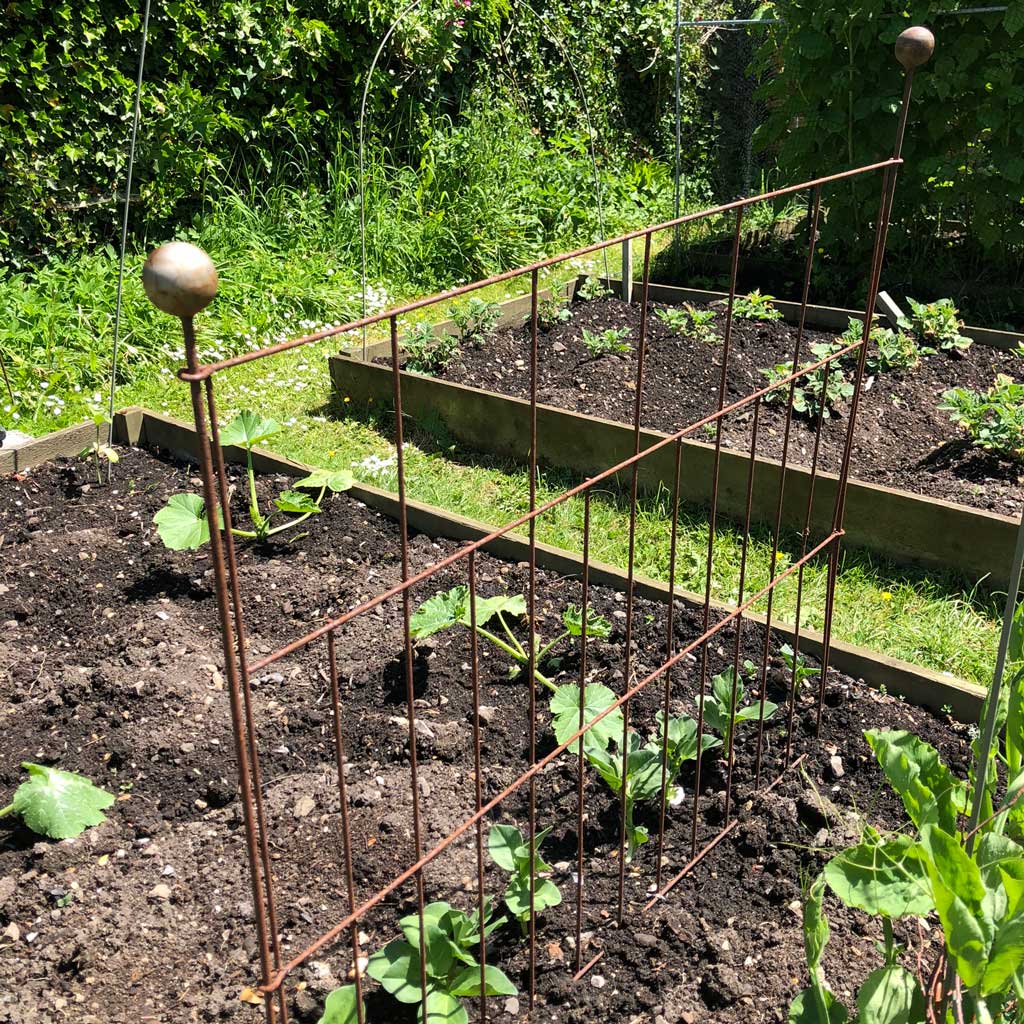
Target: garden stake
713, 514
184, 296
410, 692
638, 404
812, 235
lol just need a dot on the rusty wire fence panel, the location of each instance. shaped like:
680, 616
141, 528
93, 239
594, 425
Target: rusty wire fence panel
275, 965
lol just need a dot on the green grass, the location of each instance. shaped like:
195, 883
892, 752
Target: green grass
927, 619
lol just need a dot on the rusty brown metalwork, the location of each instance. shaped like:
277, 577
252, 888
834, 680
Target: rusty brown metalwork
715, 619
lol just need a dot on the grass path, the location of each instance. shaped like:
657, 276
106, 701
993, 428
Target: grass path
928, 619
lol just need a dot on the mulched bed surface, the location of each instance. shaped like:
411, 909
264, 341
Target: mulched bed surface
902, 440
110, 665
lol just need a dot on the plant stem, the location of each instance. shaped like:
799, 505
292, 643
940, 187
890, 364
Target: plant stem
518, 655
254, 506
511, 636
557, 639
295, 522
9, 809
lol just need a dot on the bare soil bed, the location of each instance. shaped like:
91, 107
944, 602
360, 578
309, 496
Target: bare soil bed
110, 666
902, 439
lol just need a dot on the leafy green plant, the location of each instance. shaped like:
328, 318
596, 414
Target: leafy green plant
551, 312
449, 939
475, 320
428, 353
972, 881
183, 523
993, 419
798, 667
608, 342
56, 803
682, 742
724, 709
592, 288
754, 306
511, 852
689, 319
99, 451
811, 396
937, 325
888, 350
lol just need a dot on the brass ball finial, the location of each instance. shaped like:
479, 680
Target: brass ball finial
914, 47
180, 279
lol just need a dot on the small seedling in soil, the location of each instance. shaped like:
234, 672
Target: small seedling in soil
428, 353
450, 939
993, 419
936, 325
552, 312
888, 351
475, 321
183, 524
754, 306
511, 852
609, 342
808, 398
99, 451
724, 709
592, 288
798, 666
449, 609
689, 320
58, 804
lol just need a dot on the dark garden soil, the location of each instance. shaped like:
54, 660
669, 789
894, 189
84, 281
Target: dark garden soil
110, 665
902, 439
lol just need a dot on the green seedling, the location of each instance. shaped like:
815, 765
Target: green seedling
754, 306
511, 852
449, 939
58, 804
682, 743
812, 397
993, 419
475, 321
888, 351
450, 609
183, 522
690, 320
724, 709
609, 342
428, 353
798, 667
592, 288
99, 451
937, 325
551, 312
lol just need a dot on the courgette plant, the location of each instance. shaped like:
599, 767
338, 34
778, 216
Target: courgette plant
451, 609
972, 881
183, 523
56, 803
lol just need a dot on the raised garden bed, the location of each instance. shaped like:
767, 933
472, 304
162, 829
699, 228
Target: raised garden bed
920, 493
111, 667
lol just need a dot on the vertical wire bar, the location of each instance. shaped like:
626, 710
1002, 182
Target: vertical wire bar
581, 761
212, 498
478, 783
243, 675
346, 832
669, 648
815, 208
410, 692
726, 342
532, 626
800, 572
739, 601
634, 479
830, 590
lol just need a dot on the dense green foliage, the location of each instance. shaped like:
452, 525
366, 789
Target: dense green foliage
241, 94
833, 91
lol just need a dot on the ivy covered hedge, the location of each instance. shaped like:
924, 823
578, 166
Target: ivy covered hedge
250, 92
833, 94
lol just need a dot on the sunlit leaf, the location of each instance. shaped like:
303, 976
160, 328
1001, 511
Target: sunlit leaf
58, 804
182, 523
248, 429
